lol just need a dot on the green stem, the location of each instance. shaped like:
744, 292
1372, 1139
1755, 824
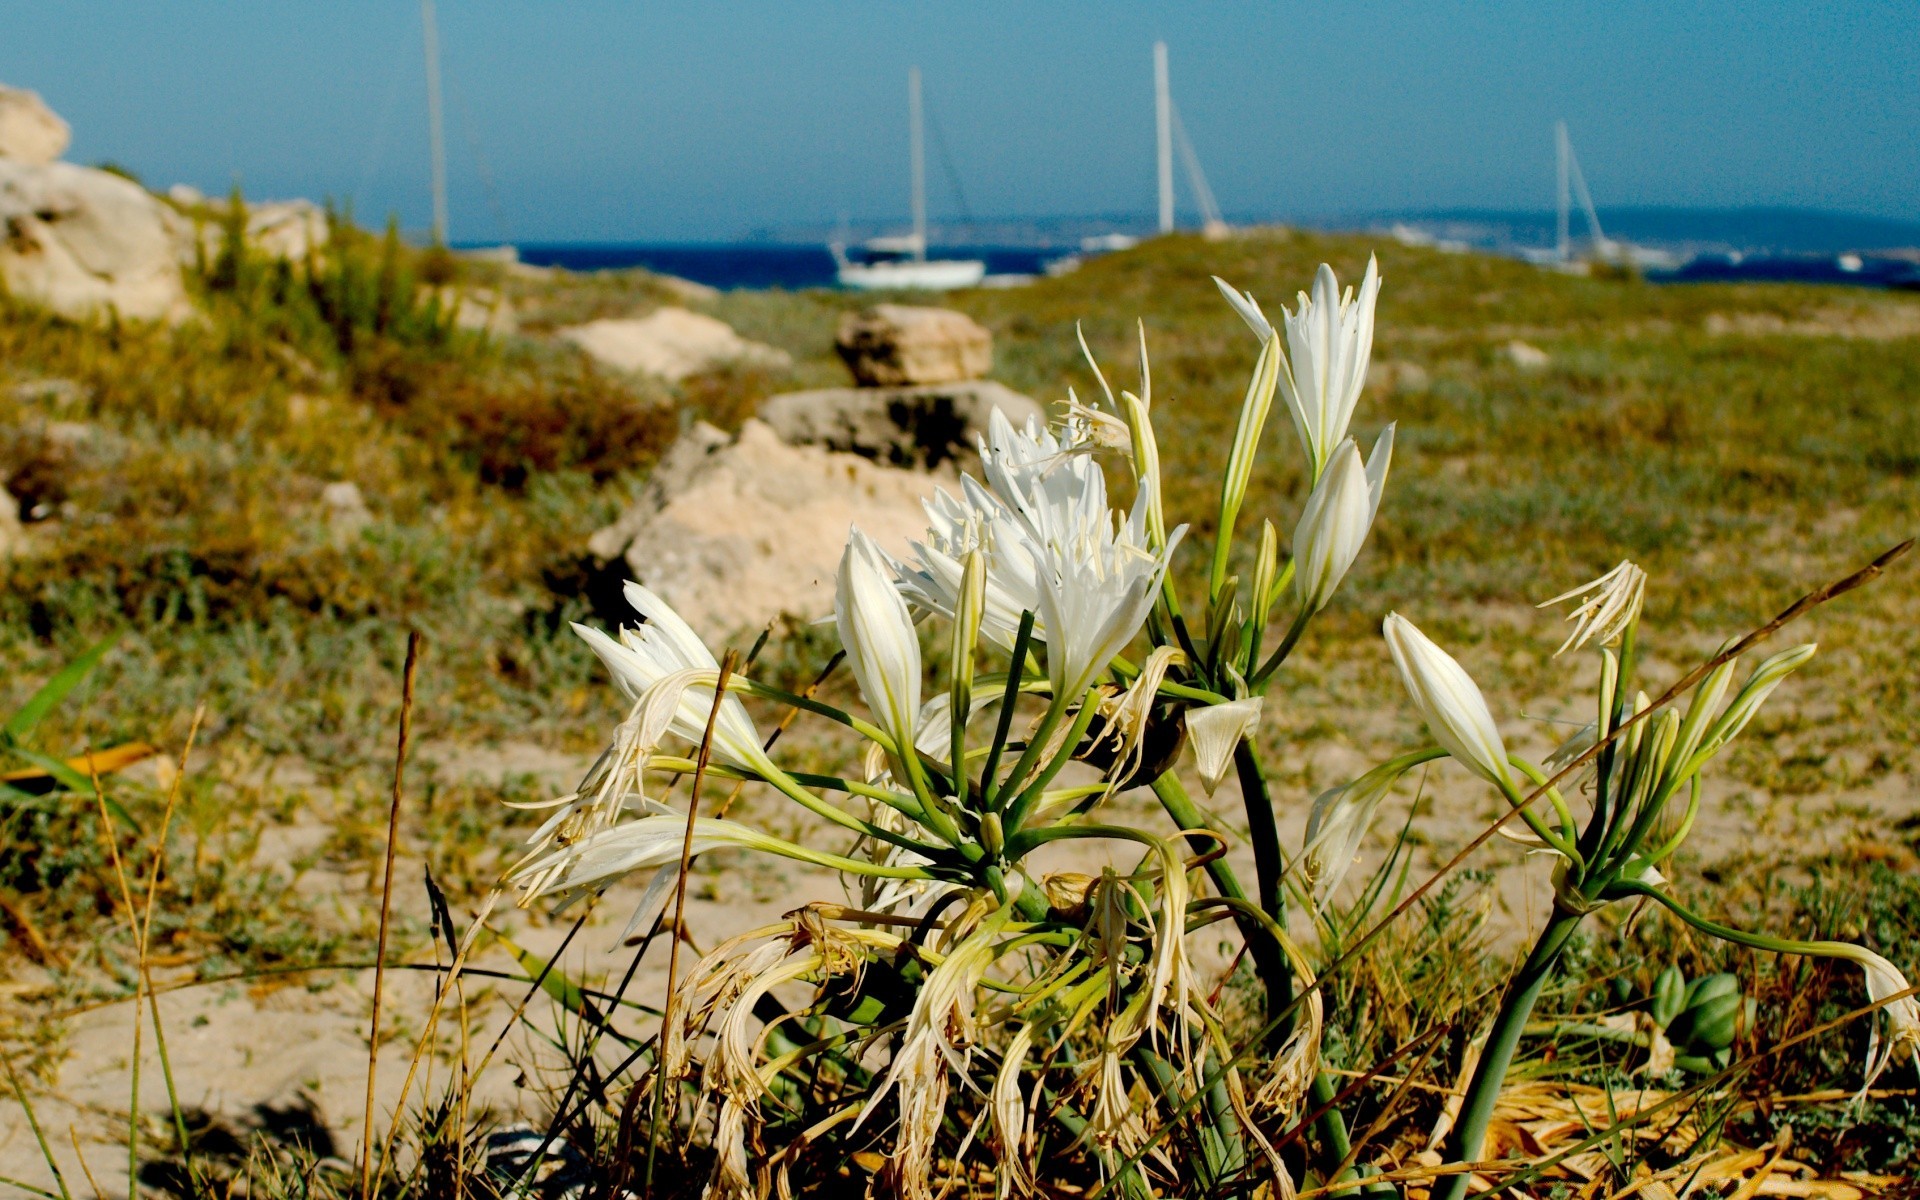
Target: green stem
1516, 1007
1269, 864
1333, 1132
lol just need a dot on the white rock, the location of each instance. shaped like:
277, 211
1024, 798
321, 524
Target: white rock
672, 343
30, 132
908, 426
186, 195
346, 509
1527, 356
893, 345
480, 309
736, 531
85, 242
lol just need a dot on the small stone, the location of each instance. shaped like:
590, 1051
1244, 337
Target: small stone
347, 512
1528, 357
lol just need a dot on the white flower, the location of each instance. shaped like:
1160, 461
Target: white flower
1336, 520
1215, 730
1338, 821
654, 840
1902, 1015
1329, 340
976, 519
1603, 616
1449, 701
877, 632
1248, 308
661, 646
1094, 597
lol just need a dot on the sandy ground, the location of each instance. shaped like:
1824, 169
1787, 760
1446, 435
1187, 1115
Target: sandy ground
290, 1055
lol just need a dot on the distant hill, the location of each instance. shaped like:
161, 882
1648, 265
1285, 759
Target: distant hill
1682, 230
1685, 231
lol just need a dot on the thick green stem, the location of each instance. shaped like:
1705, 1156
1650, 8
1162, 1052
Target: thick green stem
1470, 1134
1269, 865
1269, 961
1333, 1133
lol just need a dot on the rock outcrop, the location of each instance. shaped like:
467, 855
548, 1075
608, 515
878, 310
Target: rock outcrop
86, 243
902, 427
734, 531
30, 132
898, 345
671, 343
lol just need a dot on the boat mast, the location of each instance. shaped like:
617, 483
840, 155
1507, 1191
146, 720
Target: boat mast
1561, 153
1573, 182
918, 149
1163, 127
436, 136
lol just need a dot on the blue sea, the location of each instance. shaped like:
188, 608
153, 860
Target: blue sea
729, 265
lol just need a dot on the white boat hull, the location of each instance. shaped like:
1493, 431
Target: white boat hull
936, 275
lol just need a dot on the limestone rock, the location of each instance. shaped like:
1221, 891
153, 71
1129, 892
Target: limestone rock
85, 242
894, 345
289, 229
904, 427
30, 132
481, 309
672, 343
736, 531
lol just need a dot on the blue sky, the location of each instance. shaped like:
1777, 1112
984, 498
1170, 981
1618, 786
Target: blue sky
688, 121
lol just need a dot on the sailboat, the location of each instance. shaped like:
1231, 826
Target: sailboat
901, 262
1570, 183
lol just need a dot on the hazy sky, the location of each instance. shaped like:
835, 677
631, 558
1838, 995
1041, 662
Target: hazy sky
600, 120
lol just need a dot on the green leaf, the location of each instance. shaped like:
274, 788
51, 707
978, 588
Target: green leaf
554, 982
54, 690
74, 781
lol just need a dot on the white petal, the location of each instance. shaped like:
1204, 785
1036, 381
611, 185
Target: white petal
1215, 730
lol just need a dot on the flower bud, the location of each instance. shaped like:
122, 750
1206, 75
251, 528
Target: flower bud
1449, 701
1336, 519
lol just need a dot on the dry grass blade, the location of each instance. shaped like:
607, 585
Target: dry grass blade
727, 665
386, 909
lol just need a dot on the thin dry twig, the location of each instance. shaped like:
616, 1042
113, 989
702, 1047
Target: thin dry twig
386, 908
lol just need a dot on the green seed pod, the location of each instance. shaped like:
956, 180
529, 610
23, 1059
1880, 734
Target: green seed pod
1709, 1025
1669, 992
1708, 986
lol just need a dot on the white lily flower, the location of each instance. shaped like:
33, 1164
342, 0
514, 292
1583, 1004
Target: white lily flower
877, 632
664, 645
1450, 702
1329, 341
650, 841
1902, 1016
1215, 730
1248, 308
1336, 824
1337, 518
977, 519
1604, 615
